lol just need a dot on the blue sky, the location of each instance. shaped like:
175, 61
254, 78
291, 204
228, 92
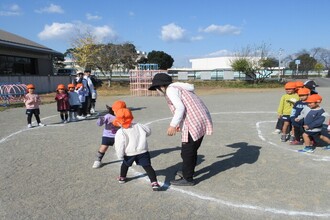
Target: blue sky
181, 28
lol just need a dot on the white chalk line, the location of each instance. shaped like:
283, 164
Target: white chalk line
231, 204
314, 156
25, 129
208, 198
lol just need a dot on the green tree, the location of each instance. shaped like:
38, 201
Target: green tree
161, 58
307, 63
318, 68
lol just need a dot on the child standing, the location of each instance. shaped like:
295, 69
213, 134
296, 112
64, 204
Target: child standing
314, 117
81, 95
109, 131
303, 94
63, 105
32, 102
74, 103
285, 107
131, 145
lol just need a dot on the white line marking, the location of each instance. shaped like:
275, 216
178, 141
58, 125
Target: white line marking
212, 199
314, 156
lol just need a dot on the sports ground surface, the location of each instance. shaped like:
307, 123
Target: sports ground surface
243, 171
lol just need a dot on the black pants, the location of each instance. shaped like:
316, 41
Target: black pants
149, 170
189, 157
298, 131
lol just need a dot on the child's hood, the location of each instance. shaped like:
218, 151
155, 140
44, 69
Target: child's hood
187, 86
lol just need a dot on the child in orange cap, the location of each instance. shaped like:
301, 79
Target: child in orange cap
296, 110
314, 117
109, 131
74, 102
32, 102
285, 107
63, 105
82, 99
131, 146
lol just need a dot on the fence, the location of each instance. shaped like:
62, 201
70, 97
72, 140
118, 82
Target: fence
11, 93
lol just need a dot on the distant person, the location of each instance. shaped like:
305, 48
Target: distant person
32, 102
131, 146
298, 129
90, 93
82, 98
62, 99
109, 131
190, 116
74, 103
85, 90
285, 107
311, 85
313, 116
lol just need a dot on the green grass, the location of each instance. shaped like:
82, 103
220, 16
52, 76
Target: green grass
236, 84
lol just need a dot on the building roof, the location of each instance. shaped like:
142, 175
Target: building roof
13, 40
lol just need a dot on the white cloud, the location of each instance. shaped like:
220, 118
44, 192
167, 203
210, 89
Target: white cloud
220, 53
196, 38
51, 9
172, 32
65, 31
225, 29
92, 17
12, 10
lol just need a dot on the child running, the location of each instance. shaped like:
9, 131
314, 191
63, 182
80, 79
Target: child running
109, 131
63, 105
32, 102
285, 107
131, 145
314, 117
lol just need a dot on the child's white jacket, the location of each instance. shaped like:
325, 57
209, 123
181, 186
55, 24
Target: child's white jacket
132, 141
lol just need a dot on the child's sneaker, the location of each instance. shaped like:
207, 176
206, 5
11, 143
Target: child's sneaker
295, 142
97, 164
327, 147
121, 179
29, 126
292, 138
277, 131
41, 125
155, 186
283, 138
307, 150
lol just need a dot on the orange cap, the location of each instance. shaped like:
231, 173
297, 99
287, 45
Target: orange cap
118, 105
79, 85
314, 98
299, 84
71, 85
290, 85
30, 86
60, 86
123, 118
303, 91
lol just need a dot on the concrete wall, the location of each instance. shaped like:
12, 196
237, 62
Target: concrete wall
43, 84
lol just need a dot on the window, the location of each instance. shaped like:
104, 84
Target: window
10, 65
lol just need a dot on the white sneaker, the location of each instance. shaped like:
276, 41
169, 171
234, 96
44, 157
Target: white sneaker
97, 164
88, 115
80, 117
41, 125
29, 126
92, 110
277, 131
65, 121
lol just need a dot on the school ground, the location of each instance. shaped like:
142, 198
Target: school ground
243, 172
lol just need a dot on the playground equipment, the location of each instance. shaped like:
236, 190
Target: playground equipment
13, 92
140, 79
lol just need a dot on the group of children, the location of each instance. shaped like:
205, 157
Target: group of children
300, 116
129, 139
